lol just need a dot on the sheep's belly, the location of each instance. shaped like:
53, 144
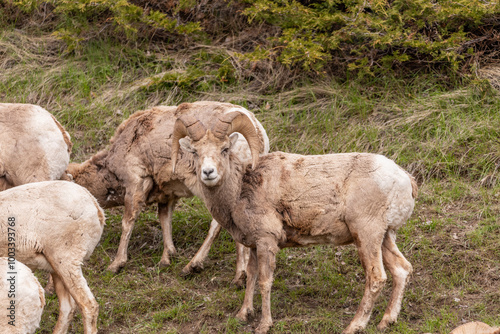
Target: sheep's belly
332, 232
37, 261
31, 260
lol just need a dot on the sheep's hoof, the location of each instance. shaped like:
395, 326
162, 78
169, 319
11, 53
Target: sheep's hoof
263, 327
239, 281
384, 323
243, 315
49, 289
115, 268
164, 263
191, 269
382, 326
352, 330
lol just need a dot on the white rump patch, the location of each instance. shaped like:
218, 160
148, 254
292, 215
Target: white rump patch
51, 141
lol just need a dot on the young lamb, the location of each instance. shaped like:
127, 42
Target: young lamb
21, 298
475, 327
33, 145
136, 170
54, 226
289, 200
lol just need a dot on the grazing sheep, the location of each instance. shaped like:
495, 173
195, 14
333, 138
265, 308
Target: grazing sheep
55, 226
33, 145
21, 298
475, 327
136, 170
289, 200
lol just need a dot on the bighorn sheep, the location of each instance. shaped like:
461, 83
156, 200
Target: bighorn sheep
21, 298
135, 170
289, 200
475, 327
33, 145
54, 226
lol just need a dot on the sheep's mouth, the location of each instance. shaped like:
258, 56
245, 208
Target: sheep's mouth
210, 181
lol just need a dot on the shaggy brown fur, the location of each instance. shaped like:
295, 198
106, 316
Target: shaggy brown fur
136, 170
291, 200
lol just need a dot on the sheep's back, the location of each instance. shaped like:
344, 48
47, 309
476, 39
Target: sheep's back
50, 215
319, 196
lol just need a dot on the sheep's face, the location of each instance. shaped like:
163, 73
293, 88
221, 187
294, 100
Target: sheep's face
211, 156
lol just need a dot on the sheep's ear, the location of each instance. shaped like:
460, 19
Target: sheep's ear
233, 138
186, 144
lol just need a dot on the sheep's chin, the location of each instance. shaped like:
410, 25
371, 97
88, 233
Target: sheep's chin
211, 182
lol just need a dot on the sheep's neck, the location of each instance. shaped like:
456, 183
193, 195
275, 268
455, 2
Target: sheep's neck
222, 200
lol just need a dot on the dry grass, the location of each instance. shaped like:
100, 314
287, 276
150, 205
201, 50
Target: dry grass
448, 138
492, 74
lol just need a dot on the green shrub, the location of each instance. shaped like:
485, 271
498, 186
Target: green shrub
81, 20
360, 36
371, 35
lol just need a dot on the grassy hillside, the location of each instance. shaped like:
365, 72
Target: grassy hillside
445, 132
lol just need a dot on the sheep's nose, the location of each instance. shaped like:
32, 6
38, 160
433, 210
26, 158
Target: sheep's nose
208, 171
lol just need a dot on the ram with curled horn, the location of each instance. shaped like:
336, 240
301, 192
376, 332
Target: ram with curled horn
291, 200
185, 126
226, 125
136, 170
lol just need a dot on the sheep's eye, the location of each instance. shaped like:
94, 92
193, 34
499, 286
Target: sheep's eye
195, 154
225, 150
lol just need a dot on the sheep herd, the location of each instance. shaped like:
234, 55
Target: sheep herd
51, 215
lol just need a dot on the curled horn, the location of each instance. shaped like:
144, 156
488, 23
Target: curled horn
185, 125
238, 122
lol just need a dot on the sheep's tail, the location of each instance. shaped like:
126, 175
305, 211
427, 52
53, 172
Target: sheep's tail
100, 213
414, 187
65, 134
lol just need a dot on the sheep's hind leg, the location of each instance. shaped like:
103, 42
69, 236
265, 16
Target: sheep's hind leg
196, 263
370, 253
67, 306
74, 282
400, 270
165, 212
49, 287
135, 200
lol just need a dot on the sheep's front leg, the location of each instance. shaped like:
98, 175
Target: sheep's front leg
165, 212
196, 263
242, 257
135, 200
252, 273
266, 259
